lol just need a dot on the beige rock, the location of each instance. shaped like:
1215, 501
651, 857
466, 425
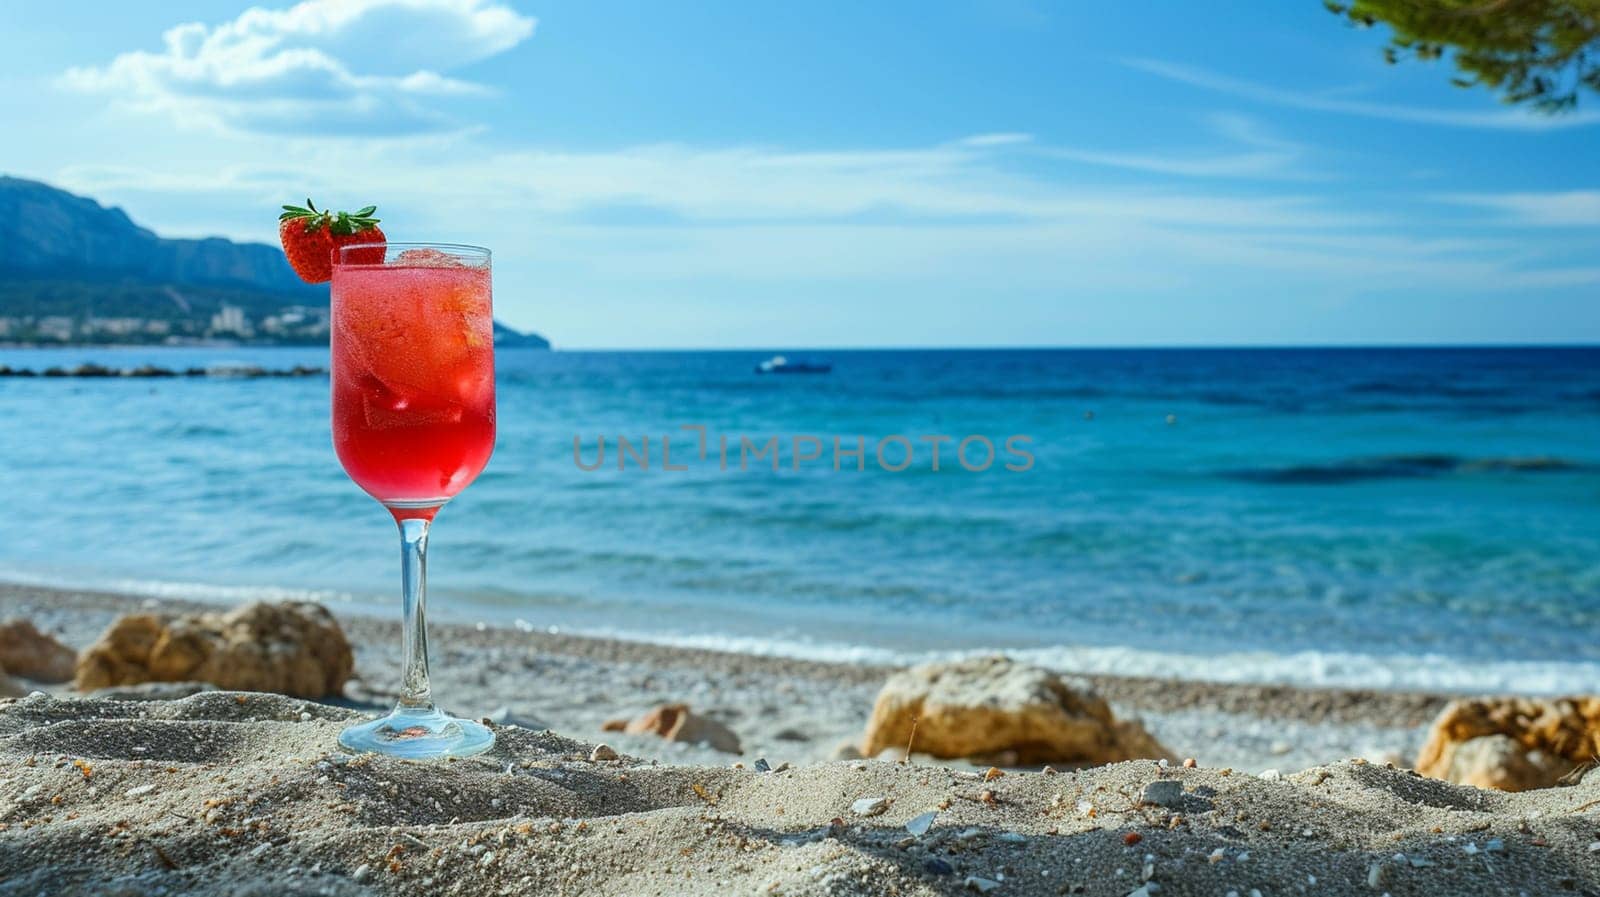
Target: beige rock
675, 722
27, 652
990, 706
1498, 761
293, 648
1512, 744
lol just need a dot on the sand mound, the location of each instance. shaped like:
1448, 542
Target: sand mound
229, 793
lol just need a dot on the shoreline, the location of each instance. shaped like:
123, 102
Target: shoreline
784, 708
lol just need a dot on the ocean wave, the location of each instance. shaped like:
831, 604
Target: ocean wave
208, 593
1389, 467
1310, 669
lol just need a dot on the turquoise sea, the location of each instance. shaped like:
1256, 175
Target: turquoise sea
1390, 517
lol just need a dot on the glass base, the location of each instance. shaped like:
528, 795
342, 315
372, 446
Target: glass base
419, 733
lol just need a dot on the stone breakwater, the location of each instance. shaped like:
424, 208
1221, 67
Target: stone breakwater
150, 370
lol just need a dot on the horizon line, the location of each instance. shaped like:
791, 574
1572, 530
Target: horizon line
1084, 347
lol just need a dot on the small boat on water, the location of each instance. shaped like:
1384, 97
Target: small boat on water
778, 364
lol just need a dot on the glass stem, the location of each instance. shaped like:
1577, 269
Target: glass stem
415, 692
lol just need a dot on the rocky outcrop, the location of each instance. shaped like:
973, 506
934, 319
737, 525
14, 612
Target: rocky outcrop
676, 722
993, 709
1512, 744
293, 648
31, 654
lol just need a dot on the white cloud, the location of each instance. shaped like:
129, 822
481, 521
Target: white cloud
1510, 119
1570, 208
1004, 138
319, 67
1252, 152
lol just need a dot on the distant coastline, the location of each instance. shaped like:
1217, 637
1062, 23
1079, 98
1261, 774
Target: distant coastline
141, 338
74, 273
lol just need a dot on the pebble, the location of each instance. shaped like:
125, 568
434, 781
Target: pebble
1145, 890
919, 825
602, 752
938, 867
361, 872
1163, 793
139, 791
305, 716
1271, 775
1281, 747
981, 885
870, 806
1377, 875
762, 765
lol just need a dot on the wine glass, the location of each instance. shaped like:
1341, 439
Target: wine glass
413, 424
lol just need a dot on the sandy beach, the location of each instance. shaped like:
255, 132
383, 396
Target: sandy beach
782, 709
245, 793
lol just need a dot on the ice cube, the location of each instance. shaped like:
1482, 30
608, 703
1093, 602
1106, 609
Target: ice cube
428, 258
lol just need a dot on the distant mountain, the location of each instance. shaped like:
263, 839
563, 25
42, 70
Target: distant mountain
72, 270
506, 337
50, 233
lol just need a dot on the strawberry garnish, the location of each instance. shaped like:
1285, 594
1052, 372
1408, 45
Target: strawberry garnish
311, 235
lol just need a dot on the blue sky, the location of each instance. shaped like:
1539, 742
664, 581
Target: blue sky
845, 174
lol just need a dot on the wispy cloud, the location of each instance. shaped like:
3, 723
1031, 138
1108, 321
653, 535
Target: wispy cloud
322, 66
947, 184
1569, 208
685, 211
1251, 153
737, 237
1007, 138
1510, 119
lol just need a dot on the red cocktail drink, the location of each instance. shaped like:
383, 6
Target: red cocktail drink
413, 424
413, 375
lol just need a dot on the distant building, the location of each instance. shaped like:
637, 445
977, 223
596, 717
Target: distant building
55, 327
114, 326
231, 319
